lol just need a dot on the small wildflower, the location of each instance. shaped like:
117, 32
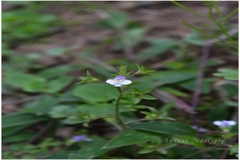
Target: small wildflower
119, 81
224, 123
80, 138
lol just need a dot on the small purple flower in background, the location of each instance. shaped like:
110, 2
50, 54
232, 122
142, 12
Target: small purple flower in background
80, 138
119, 81
224, 123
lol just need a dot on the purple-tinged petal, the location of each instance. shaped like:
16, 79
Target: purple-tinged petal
79, 138
120, 78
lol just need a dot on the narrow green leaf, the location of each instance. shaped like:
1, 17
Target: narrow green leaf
27, 82
234, 149
148, 97
146, 150
227, 73
173, 91
43, 104
17, 119
167, 77
191, 85
56, 71
58, 84
136, 100
11, 130
167, 107
18, 137
129, 138
159, 46
165, 127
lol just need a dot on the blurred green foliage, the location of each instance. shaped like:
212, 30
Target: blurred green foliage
59, 101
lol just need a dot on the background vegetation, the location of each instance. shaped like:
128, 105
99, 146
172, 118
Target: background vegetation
48, 46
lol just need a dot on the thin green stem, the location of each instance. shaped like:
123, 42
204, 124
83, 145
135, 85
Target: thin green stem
117, 110
229, 15
221, 27
216, 6
186, 8
197, 29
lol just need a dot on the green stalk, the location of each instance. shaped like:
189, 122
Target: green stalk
186, 8
197, 29
229, 15
117, 110
221, 28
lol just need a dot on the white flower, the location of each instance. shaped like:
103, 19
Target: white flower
119, 81
224, 123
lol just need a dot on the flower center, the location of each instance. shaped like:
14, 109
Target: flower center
225, 123
120, 79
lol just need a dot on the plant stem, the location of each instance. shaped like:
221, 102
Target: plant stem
117, 110
210, 13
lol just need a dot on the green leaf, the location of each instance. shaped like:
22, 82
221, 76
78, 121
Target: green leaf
142, 70
174, 128
174, 65
11, 130
96, 92
191, 85
167, 77
18, 119
101, 71
136, 100
234, 149
89, 78
56, 71
173, 91
43, 104
166, 107
27, 82
146, 150
94, 150
129, 138
60, 111
148, 97
194, 38
58, 84
158, 46
116, 20
218, 112
230, 89
130, 38
227, 73
18, 137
